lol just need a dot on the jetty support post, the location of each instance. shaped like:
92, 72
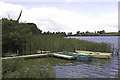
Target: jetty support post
113, 50
117, 51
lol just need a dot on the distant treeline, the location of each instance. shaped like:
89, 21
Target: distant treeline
26, 38
96, 33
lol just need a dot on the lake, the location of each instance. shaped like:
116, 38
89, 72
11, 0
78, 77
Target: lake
113, 40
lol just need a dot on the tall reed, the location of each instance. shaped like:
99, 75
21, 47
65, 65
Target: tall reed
55, 44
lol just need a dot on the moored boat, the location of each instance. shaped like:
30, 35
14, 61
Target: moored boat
78, 56
39, 51
95, 54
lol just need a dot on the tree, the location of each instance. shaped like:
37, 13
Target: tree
87, 32
98, 31
102, 32
15, 35
78, 32
69, 33
53, 33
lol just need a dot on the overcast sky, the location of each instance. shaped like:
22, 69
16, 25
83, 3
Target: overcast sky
65, 16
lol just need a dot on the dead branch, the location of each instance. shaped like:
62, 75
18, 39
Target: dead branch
19, 15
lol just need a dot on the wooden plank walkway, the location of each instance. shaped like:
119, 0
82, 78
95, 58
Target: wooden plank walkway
40, 55
63, 56
25, 56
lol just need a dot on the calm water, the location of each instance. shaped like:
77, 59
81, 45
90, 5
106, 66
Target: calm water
97, 68
113, 40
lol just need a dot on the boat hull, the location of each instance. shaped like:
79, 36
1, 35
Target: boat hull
95, 54
78, 56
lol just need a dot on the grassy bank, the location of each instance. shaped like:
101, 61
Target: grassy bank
30, 68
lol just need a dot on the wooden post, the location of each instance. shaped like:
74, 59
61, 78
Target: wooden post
17, 52
117, 52
113, 50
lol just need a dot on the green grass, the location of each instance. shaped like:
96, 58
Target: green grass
30, 68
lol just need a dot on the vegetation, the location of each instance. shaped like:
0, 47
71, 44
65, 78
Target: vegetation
26, 38
30, 68
97, 33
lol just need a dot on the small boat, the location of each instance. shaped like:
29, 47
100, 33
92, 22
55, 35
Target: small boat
78, 56
43, 51
95, 54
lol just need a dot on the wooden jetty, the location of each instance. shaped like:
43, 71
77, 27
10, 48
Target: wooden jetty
25, 56
69, 56
40, 55
63, 56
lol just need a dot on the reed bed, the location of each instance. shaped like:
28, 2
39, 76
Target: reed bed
56, 44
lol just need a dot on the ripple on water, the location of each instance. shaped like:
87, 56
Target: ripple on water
82, 70
97, 68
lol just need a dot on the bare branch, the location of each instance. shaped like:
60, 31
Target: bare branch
19, 15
